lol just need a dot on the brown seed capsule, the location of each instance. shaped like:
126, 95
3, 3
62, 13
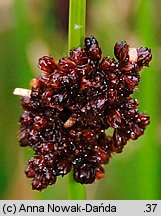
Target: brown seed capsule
136, 132
114, 119
47, 64
66, 64
85, 174
26, 103
143, 120
79, 56
127, 67
105, 63
131, 81
92, 48
103, 155
113, 96
26, 118
63, 167
100, 173
36, 183
121, 50
144, 56
39, 122
119, 140
30, 173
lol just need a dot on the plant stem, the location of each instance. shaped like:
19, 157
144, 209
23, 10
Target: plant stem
149, 96
77, 22
23, 34
76, 32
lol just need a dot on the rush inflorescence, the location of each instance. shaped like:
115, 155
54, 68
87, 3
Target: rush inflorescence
71, 106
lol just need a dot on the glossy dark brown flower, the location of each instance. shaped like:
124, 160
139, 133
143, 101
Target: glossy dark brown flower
72, 105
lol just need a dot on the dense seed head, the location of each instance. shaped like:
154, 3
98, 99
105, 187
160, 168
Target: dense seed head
71, 107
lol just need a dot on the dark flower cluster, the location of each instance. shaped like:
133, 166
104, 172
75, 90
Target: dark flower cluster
71, 106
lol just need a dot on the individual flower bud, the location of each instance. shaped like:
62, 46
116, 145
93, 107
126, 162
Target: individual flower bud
119, 140
56, 80
136, 131
24, 136
114, 119
85, 174
44, 79
131, 80
41, 181
37, 184
92, 48
79, 56
37, 163
100, 173
39, 122
144, 56
113, 80
105, 63
63, 167
49, 177
127, 67
47, 64
26, 103
75, 76
132, 103
26, 118
143, 120
47, 96
105, 157
113, 96
30, 173
66, 64
121, 50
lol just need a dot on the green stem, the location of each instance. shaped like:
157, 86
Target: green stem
22, 37
77, 21
76, 33
149, 101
